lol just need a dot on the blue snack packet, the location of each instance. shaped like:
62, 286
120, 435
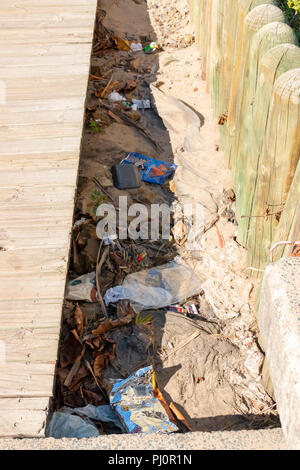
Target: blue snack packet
151, 170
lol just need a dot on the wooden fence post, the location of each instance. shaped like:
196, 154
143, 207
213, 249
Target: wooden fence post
217, 48
245, 170
279, 159
248, 25
289, 225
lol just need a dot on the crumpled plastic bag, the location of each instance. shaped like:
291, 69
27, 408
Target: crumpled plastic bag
134, 402
83, 288
104, 413
67, 425
157, 287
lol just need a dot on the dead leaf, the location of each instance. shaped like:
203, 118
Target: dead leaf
126, 315
116, 118
94, 398
104, 355
122, 44
130, 85
180, 416
78, 318
70, 350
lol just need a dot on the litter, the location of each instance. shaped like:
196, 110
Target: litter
103, 413
67, 425
110, 240
136, 46
83, 288
150, 48
134, 401
188, 310
157, 287
79, 222
121, 44
140, 104
126, 176
151, 170
116, 97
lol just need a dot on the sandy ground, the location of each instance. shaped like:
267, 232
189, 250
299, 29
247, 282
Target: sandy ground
216, 379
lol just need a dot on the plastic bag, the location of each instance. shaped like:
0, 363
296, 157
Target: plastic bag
104, 413
67, 425
140, 104
134, 402
115, 96
157, 287
136, 46
151, 170
83, 288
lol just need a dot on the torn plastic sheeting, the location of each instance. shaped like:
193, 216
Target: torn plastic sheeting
136, 46
157, 287
104, 413
83, 288
134, 402
140, 104
115, 97
182, 122
67, 425
151, 170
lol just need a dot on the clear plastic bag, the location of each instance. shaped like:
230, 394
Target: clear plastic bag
158, 287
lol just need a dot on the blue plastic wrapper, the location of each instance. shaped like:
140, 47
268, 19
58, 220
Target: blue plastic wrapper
134, 402
151, 170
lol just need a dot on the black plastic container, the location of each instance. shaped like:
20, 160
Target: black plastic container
126, 176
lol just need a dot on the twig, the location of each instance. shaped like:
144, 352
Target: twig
98, 270
106, 88
101, 188
74, 369
131, 123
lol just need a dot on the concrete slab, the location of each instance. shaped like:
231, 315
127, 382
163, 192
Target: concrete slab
279, 323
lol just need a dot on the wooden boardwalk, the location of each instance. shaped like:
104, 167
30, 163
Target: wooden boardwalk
45, 50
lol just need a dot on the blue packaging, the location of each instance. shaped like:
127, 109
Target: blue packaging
151, 170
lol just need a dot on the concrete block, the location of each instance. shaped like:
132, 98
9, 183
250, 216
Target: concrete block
279, 323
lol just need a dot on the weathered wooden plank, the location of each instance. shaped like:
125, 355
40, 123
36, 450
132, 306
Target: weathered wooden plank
58, 86
44, 65
11, 119
43, 105
40, 196
60, 144
26, 380
32, 286
34, 3
30, 313
77, 35
39, 161
46, 54
28, 176
38, 215
23, 417
38, 18
40, 130
34, 260
33, 346
47, 70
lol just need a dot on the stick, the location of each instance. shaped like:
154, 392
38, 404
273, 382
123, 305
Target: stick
129, 122
98, 270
